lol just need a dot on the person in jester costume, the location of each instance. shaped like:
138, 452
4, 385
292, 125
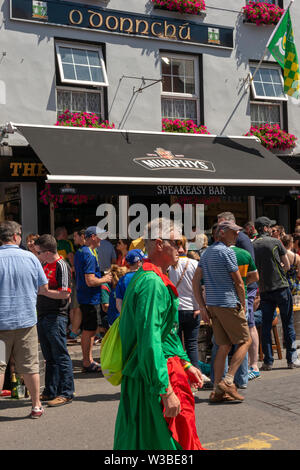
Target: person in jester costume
157, 409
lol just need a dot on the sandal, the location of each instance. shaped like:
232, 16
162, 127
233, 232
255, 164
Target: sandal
93, 367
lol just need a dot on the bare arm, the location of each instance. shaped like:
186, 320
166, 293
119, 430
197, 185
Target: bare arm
197, 289
105, 307
53, 294
285, 261
252, 277
239, 287
93, 281
119, 304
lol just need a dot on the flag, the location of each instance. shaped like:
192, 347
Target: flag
282, 47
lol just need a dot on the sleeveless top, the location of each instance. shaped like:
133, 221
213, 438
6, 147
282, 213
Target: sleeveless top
292, 277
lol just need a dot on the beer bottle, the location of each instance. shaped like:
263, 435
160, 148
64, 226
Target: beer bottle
14, 386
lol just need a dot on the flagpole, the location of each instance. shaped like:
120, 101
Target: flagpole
249, 77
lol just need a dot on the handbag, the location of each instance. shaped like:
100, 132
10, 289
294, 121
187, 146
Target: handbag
111, 357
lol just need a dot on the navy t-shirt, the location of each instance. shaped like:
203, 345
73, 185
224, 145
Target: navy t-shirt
86, 262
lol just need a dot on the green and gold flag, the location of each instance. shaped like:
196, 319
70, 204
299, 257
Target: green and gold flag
282, 47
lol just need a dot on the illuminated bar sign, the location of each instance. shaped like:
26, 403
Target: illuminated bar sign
62, 13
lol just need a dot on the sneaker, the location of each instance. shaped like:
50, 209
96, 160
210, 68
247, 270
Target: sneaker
294, 365
266, 367
59, 401
242, 386
37, 412
253, 374
229, 389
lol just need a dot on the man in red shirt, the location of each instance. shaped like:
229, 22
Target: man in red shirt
52, 324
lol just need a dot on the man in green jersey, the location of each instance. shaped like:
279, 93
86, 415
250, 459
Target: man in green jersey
156, 408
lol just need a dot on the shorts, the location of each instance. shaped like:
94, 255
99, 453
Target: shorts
229, 325
90, 316
22, 345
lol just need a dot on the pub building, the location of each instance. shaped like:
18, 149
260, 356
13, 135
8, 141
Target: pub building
133, 65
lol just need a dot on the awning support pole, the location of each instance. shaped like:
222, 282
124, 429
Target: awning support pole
251, 208
52, 224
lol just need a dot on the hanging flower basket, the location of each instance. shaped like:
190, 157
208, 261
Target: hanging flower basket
82, 119
262, 13
177, 125
193, 7
273, 138
46, 197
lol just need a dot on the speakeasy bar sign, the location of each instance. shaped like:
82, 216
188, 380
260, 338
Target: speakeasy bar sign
120, 22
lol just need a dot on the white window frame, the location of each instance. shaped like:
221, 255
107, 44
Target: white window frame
83, 90
266, 103
70, 45
275, 2
263, 97
184, 96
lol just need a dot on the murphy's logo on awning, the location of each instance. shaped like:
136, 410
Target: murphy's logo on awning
165, 160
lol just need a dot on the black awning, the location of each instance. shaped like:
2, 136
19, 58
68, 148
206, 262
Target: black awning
81, 155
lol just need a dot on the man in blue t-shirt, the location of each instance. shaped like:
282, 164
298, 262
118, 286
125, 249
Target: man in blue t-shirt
88, 282
225, 305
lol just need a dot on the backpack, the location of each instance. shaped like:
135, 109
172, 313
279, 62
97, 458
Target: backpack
111, 358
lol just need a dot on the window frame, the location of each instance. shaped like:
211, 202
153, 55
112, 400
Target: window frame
274, 2
184, 96
266, 103
82, 46
71, 89
267, 97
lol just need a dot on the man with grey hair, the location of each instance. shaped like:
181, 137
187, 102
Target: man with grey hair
157, 372
225, 305
21, 279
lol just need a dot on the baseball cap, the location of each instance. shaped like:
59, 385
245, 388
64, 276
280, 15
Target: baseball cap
133, 256
228, 225
263, 222
94, 230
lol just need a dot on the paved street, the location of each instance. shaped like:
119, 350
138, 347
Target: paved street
268, 419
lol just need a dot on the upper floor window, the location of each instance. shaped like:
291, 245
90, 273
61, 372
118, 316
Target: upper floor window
267, 95
81, 78
271, 2
81, 64
180, 87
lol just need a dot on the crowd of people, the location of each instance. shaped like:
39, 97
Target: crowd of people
57, 291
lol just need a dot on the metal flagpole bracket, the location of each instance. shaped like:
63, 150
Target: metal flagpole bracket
143, 85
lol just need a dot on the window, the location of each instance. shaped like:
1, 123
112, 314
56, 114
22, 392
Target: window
279, 3
267, 95
81, 78
81, 64
180, 87
77, 100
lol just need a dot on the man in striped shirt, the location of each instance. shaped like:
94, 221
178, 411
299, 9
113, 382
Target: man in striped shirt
225, 305
52, 324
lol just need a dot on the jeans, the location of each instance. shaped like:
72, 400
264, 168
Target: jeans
189, 326
59, 380
281, 298
241, 376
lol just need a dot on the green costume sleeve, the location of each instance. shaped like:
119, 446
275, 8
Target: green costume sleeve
172, 345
